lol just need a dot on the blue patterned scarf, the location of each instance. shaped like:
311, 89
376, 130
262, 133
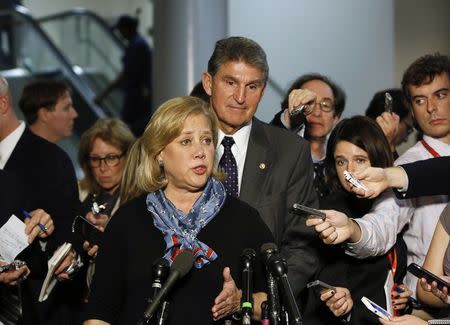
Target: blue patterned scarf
180, 230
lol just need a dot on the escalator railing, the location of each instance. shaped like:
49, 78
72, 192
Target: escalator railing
27, 53
91, 47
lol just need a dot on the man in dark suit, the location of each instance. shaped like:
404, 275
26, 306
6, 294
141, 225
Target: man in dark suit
272, 167
48, 177
12, 201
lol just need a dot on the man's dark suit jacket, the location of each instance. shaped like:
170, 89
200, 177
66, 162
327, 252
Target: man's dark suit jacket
278, 172
48, 176
427, 177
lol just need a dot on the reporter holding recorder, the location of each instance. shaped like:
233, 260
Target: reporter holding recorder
172, 200
102, 153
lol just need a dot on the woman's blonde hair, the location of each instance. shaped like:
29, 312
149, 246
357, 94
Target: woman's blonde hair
142, 172
112, 131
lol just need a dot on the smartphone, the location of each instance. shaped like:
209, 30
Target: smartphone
420, 272
308, 212
387, 102
376, 309
87, 230
12, 266
355, 182
320, 286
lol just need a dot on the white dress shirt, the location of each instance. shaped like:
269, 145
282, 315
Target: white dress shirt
8, 144
388, 216
239, 148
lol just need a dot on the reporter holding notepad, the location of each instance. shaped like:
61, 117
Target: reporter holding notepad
172, 200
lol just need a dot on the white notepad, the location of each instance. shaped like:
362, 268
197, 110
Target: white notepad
53, 263
13, 239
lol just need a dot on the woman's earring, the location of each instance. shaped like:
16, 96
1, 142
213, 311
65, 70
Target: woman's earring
161, 169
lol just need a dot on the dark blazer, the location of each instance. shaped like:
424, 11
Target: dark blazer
50, 183
427, 177
278, 172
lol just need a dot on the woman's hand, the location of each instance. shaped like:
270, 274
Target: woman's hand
405, 320
228, 300
339, 302
433, 288
98, 220
400, 299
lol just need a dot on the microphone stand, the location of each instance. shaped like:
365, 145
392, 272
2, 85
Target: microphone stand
247, 258
280, 268
273, 300
276, 267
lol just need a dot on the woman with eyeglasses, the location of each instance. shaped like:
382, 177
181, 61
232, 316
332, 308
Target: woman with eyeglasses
102, 154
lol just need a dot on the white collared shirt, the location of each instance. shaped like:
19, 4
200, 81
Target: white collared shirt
239, 148
388, 216
8, 144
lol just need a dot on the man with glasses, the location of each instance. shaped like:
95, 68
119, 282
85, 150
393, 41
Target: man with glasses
321, 117
48, 109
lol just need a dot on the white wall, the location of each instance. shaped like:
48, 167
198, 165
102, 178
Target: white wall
351, 41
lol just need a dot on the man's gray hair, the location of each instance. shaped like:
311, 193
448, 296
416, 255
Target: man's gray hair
4, 87
238, 49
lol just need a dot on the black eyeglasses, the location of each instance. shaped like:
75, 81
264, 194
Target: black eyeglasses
110, 160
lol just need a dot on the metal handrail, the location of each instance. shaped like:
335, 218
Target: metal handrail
84, 12
74, 79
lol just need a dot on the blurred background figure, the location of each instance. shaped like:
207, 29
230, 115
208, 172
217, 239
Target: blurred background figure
400, 107
135, 78
48, 109
102, 154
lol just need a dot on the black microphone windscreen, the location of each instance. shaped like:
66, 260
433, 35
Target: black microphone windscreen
183, 262
269, 247
161, 262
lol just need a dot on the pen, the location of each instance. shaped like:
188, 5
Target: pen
40, 225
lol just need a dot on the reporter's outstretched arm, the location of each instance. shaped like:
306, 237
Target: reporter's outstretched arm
336, 228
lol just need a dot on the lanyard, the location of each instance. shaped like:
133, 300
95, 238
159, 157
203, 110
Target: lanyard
430, 149
392, 255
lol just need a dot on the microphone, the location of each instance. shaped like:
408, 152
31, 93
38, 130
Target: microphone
180, 267
247, 257
160, 271
273, 301
278, 267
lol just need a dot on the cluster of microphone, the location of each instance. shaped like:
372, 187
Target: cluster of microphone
279, 309
163, 279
